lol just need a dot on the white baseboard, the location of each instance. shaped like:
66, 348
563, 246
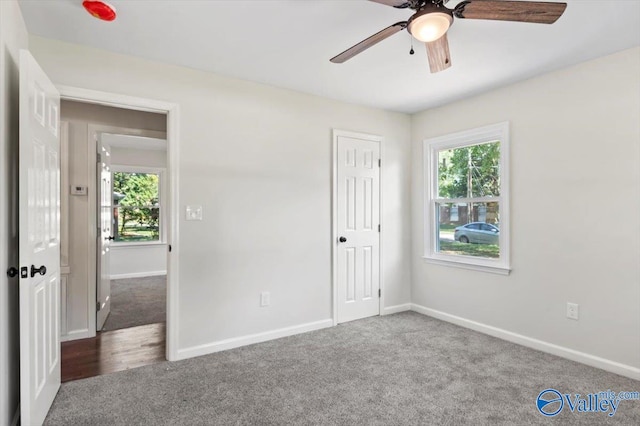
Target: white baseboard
397, 308
137, 275
561, 351
16, 417
77, 334
223, 345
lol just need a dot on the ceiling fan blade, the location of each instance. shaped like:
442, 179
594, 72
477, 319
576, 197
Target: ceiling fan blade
438, 53
398, 4
519, 11
367, 43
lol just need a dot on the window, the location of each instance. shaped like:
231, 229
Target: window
137, 205
466, 200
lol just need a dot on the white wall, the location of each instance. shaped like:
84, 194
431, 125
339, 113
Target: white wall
138, 157
131, 261
80, 159
575, 210
258, 159
13, 37
138, 260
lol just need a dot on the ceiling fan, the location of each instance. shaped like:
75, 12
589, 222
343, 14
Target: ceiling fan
432, 20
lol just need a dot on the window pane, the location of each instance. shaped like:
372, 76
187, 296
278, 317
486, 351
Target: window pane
136, 206
136, 224
471, 171
135, 189
474, 229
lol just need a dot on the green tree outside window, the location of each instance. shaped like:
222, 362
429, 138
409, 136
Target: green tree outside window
136, 206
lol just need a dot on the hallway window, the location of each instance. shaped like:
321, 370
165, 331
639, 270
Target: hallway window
137, 205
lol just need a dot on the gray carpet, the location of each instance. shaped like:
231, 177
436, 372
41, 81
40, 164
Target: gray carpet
137, 301
403, 369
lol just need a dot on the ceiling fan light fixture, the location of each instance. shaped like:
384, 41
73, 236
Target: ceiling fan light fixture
430, 26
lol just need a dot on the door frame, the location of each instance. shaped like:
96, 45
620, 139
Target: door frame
94, 131
172, 111
334, 216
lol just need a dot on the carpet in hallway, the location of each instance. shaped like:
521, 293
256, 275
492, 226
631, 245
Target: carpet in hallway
137, 301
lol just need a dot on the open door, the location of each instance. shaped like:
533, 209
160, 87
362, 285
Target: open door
105, 234
39, 228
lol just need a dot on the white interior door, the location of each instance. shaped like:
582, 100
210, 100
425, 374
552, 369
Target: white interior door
358, 234
105, 234
39, 228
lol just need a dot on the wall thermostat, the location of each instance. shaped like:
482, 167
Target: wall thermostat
78, 190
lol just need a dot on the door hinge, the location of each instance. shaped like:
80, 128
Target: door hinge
169, 248
98, 157
378, 227
379, 292
98, 306
379, 162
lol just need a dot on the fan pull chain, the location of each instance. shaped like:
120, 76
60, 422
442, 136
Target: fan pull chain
411, 52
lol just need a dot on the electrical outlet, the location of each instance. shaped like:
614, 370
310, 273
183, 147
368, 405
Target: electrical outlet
572, 311
265, 299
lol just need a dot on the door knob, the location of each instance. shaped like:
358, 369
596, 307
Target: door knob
110, 238
12, 272
41, 270
342, 239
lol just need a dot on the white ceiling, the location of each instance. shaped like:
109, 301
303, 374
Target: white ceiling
289, 43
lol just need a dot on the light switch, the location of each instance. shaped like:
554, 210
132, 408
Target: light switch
194, 212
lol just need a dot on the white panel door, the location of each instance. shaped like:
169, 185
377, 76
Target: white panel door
39, 241
358, 236
105, 234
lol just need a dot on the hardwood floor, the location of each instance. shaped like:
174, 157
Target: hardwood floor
112, 351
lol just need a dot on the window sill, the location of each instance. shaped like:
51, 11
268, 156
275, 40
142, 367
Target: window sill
467, 264
138, 244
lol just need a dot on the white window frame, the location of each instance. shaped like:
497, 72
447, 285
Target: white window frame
161, 197
431, 147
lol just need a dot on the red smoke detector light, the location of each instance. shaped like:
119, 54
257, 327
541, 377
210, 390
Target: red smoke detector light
99, 9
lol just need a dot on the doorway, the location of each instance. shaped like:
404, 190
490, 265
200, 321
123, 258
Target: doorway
131, 215
356, 226
136, 234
